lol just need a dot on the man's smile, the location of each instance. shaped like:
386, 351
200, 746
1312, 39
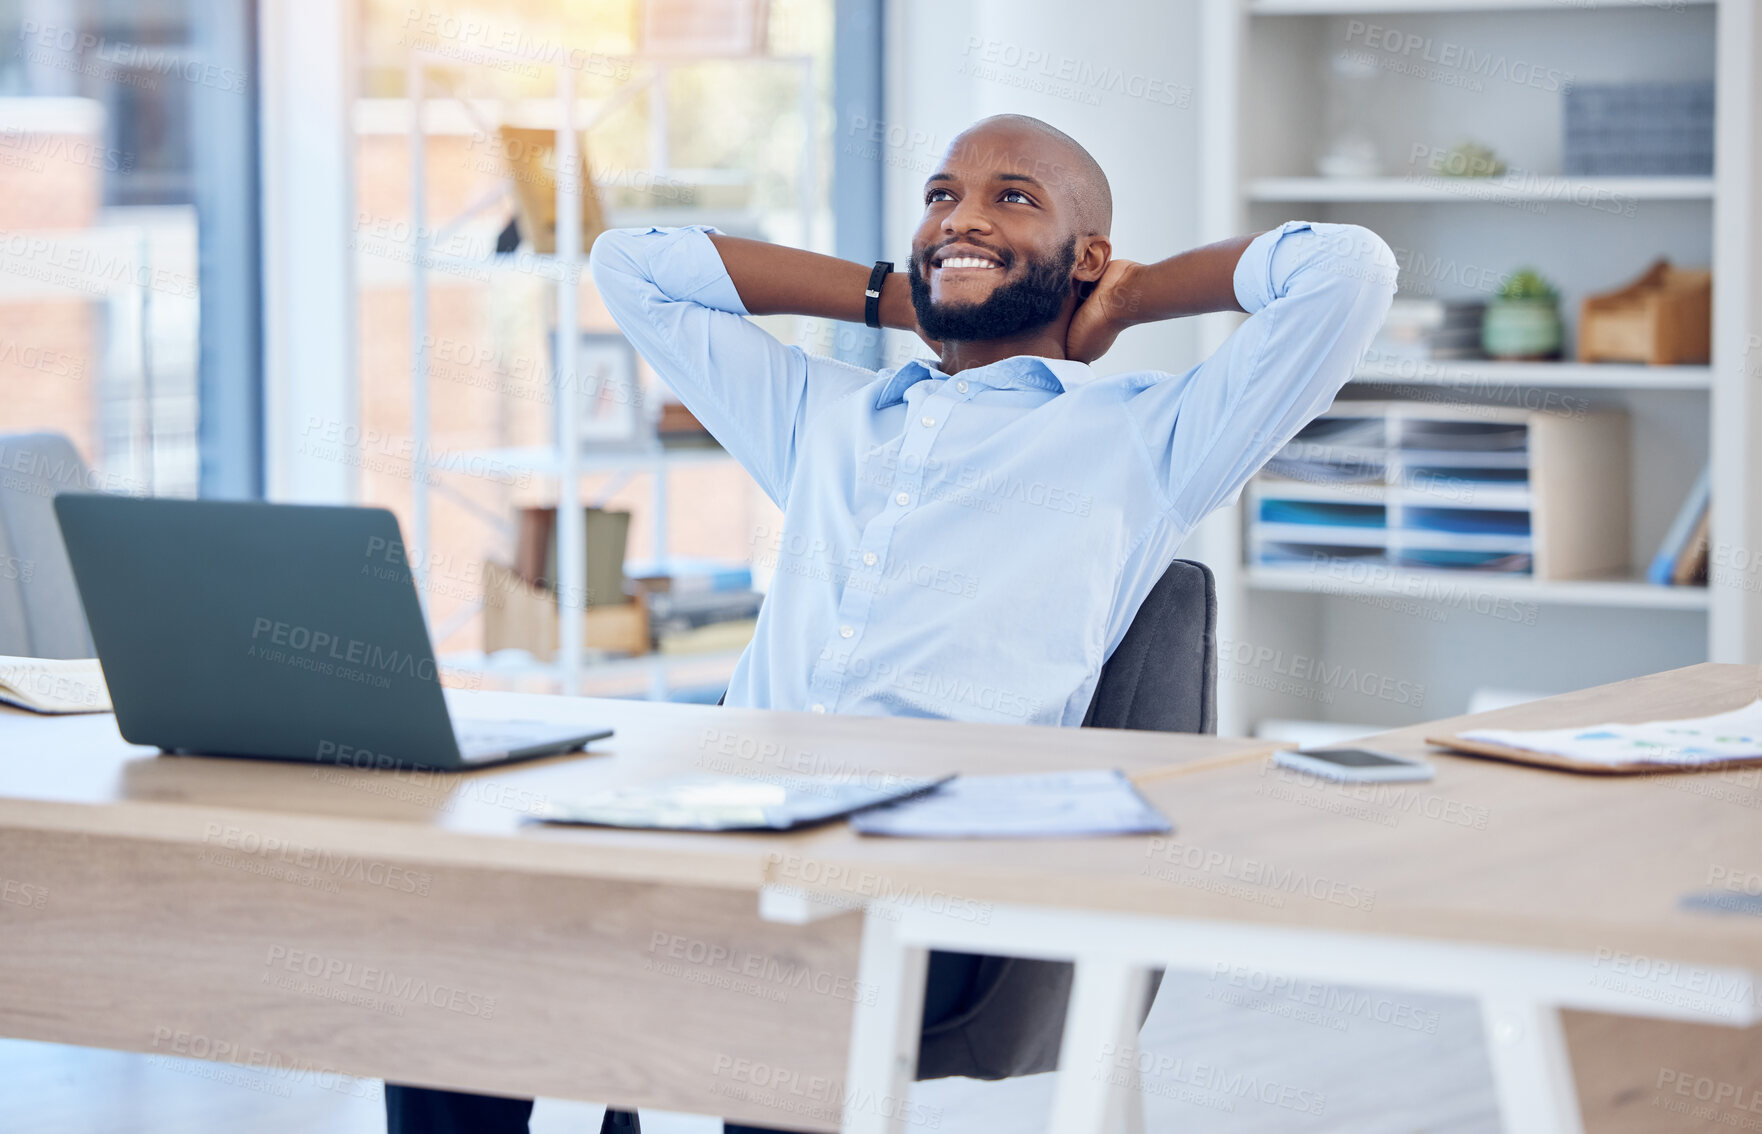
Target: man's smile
960, 258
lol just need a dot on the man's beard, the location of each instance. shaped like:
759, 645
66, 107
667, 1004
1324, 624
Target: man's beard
1024, 304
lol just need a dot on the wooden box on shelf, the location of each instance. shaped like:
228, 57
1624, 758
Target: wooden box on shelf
518, 615
532, 165
1663, 318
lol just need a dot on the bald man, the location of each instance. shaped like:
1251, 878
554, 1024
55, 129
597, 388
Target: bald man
968, 537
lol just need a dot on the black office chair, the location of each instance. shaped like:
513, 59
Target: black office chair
1005, 1016
1162, 677
999, 1017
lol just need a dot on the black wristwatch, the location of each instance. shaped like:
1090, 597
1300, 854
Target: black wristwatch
872, 295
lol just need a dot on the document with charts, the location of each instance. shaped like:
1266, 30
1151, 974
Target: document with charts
1719, 739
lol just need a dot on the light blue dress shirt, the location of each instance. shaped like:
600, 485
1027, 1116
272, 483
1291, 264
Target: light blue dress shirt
973, 547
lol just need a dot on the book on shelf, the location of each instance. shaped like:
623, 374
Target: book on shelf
691, 609
1679, 541
604, 533
716, 637
1423, 330
1691, 565
532, 543
678, 422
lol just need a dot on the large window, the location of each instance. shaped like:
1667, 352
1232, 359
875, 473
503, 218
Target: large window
123, 128
736, 138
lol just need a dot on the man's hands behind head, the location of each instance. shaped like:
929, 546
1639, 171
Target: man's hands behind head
1108, 310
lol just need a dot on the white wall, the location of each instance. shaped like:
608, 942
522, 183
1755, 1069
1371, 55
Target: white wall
1122, 63
311, 400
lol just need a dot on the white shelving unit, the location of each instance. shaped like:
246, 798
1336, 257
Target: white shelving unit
1265, 98
1433, 586
571, 459
1541, 375
1330, 7
1495, 190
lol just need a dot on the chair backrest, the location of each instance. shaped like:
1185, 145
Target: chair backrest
1162, 676
1001, 1017
1009, 1018
40, 611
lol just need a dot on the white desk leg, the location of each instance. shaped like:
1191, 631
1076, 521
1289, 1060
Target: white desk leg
884, 1036
1531, 1070
1131, 1108
1100, 1024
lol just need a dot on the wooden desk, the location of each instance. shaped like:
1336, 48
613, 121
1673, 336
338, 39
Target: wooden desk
1529, 889
320, 921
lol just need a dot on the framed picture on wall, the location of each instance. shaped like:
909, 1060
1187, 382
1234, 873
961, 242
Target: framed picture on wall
610, 404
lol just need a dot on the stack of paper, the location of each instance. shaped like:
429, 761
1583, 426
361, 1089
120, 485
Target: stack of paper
1736, 735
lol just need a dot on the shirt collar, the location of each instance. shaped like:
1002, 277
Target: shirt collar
1021, 372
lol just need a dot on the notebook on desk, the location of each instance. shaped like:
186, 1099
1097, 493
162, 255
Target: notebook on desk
1717, 741
54, 685
735, 803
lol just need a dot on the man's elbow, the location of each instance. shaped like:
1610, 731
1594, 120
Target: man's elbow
1354, 253
1382, 269
1352, 271
610, 255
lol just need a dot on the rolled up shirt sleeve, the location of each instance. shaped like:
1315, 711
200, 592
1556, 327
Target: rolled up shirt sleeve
1316, 294
670, 294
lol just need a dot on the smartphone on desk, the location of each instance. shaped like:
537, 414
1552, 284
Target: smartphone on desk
1355, 765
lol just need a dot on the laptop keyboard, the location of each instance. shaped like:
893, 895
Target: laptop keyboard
486, 739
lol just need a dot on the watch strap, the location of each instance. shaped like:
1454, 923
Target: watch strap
872, 294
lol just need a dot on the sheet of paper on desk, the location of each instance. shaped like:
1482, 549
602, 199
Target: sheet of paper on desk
1052, 805
1702, 740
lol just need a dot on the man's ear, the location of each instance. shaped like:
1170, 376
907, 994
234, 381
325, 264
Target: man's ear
1093, 255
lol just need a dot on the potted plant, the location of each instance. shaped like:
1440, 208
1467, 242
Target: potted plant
1523, 321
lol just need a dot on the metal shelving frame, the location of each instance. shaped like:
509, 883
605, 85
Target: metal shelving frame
567, 466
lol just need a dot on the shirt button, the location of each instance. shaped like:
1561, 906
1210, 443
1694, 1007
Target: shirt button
868, 559
816, 707
902, 499
927, 420
961, 386
845, 631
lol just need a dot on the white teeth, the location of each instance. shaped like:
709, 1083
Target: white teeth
966, 262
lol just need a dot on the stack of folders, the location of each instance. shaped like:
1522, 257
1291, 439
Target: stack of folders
698, 605
1398, 485
1682, 557
1321, 495
1340, 449
1459, 463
